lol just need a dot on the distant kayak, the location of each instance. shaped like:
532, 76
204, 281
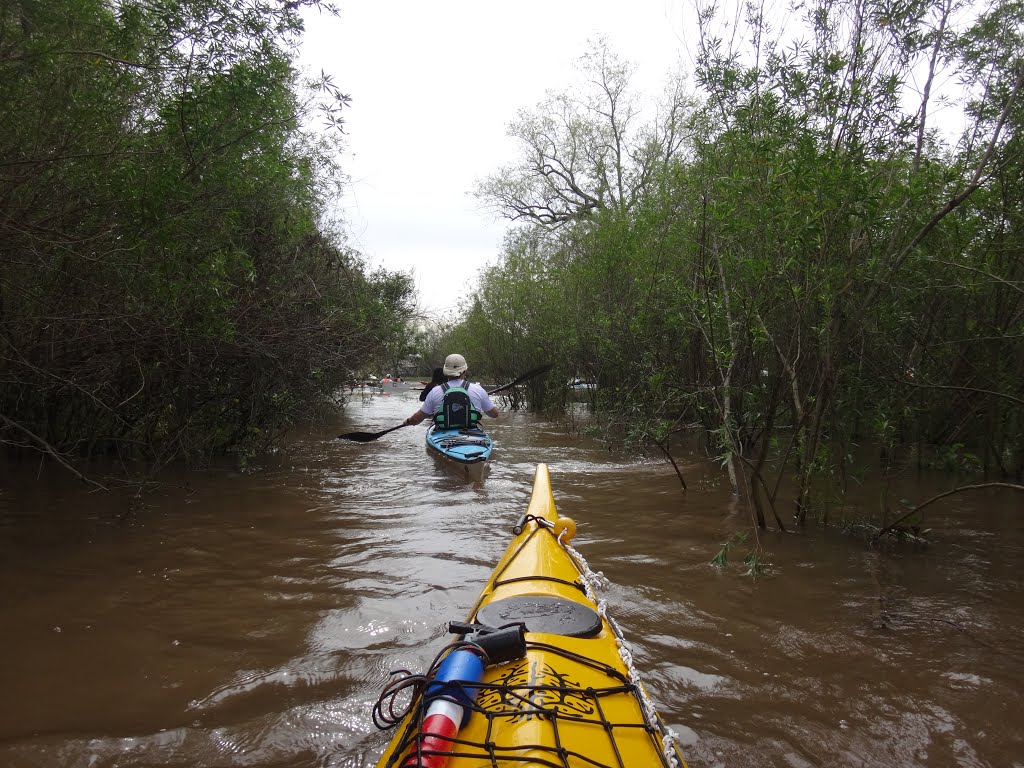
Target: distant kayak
581, 384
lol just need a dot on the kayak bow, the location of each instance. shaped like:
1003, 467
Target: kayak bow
540, 676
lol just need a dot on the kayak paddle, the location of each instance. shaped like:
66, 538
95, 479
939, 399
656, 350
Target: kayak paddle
366, 437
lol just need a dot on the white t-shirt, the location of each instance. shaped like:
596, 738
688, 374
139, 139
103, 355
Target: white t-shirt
477, 395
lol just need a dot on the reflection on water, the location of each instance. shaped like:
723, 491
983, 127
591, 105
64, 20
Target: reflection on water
252, 619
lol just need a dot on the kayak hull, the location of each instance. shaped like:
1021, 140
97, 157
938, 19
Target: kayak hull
460, 446
572, 699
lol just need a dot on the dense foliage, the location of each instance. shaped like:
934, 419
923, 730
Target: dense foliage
792, 265
169, 284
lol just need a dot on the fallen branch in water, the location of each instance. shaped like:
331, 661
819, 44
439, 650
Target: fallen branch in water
45, 447
937, 497
668, 455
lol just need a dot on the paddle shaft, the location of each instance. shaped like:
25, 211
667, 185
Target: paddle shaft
381, 434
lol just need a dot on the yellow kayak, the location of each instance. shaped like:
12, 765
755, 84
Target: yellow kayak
539, 677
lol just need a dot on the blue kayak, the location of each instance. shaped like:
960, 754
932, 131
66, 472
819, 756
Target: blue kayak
462, 446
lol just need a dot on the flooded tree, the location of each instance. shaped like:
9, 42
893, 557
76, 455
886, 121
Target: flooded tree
169, 281
814, 268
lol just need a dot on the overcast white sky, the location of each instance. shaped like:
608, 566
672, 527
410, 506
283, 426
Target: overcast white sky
433, 86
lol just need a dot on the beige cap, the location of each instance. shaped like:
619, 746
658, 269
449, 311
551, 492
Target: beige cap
455, 365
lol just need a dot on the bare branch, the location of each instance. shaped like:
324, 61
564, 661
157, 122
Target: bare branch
45, 447
940, 496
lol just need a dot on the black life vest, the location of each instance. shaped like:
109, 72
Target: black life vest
457, 411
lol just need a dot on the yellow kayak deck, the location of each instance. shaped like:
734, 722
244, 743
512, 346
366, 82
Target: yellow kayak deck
573, 700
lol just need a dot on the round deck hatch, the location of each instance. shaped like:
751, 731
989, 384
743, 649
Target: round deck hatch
542, 613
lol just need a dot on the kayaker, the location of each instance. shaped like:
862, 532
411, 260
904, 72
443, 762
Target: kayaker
454, 371
436, 378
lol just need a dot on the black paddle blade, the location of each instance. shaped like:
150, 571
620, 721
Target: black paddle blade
366, 437
533, 372
526, 376
360, 437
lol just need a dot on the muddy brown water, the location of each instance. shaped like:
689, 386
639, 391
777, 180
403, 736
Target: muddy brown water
252, 619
